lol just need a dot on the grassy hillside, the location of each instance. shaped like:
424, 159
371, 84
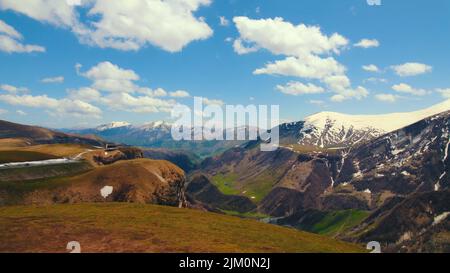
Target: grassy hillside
80, 182
121, 227
329, 223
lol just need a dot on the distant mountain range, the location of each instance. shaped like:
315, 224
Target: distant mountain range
322, 130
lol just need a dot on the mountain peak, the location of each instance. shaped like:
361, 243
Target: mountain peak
327, 129
112, 125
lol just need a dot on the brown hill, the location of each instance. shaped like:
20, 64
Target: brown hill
139, 181
39, 135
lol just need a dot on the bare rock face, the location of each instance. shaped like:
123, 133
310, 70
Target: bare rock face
136, 181
418, 223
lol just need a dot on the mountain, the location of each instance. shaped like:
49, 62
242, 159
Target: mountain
112, 125
38, 135
333, 130
301, 184
155, 135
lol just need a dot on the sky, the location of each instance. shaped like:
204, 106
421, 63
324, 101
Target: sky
81, 63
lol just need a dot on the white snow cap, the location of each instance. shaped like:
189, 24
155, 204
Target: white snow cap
384, 122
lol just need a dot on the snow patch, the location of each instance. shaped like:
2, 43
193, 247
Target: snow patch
441, 217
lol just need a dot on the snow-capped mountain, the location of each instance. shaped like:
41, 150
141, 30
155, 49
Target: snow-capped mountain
112, 125
330, 129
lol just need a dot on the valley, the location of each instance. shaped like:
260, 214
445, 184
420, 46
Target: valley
370, 187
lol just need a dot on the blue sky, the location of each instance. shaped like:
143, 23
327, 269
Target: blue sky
185, 46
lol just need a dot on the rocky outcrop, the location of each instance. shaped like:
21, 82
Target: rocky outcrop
122, 153
418, 223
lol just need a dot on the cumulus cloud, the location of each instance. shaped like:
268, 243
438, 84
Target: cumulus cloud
317, 102
306, 49
123, 25
386, 97
53, 106
85, 94
180, 94
375, 80
137, 104
284, 38
405, 88
213, 101
55, 12
13, 89
298, 88
357, 93
310, 67
9, 31
10, 41
111, 78
21, 113
445, 92
367, 43
224, 21
241, 49
371, 68
59, 79
411, 69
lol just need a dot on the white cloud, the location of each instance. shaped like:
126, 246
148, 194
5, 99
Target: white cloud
212, 102
317, 102
179, 94
444, 92
298, 88
306, 49
137, 104
411, 69
55, 12
9, 31
284, 38
159, 92
129, 25
13, 89
375, 80
123, 25
371, 68
53, 106
310, 67
10, 41
224, 21
357, 93
367, 43
111, 78
241, 49
21, 113
59, 79
10, 45
85, 94
3, 111
386, 97
405, 88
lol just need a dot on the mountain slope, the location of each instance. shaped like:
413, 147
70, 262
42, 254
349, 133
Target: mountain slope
138, 181
330, 129
39, 135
